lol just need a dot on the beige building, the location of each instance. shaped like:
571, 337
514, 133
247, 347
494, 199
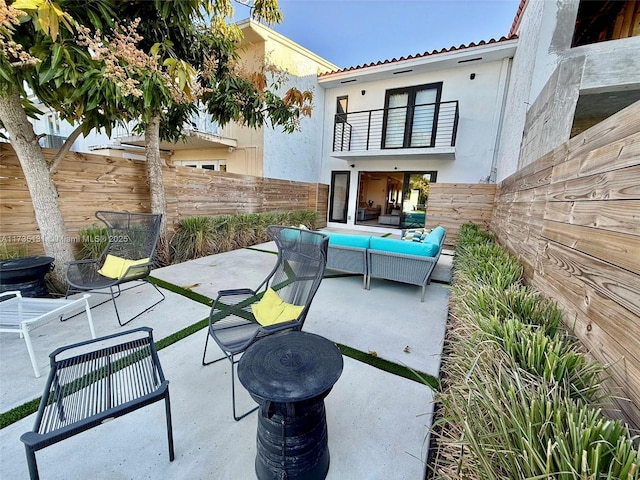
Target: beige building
262, 152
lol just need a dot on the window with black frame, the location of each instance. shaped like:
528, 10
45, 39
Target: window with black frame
410, 116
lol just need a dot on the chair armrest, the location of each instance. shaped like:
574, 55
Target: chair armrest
82, 262
237, 291
15, 293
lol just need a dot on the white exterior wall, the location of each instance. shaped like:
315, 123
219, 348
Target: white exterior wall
82, 144
296, 156
480, 108
549, 76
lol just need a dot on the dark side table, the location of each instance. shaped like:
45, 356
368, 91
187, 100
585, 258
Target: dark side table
289, 375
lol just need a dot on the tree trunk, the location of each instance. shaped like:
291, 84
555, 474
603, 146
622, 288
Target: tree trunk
44, 195
154, 171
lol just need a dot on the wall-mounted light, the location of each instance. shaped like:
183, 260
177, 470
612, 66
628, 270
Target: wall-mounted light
363, 92
352, 165
472, 76
395, 168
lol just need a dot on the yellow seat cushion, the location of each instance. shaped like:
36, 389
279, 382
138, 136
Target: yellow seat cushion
112, 267
115, 267
271, 309
132, 263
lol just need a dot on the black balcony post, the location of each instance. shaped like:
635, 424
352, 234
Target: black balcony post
455, 126
368, 129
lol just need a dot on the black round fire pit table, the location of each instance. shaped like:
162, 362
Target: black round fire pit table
26, 275
289, 375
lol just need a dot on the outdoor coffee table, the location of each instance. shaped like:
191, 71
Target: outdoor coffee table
21, 314
289, 375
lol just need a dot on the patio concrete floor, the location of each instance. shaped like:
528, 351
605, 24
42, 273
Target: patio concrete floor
378, 422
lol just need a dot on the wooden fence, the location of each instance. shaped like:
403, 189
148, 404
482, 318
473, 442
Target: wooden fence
87, 183
452, 204
573, 219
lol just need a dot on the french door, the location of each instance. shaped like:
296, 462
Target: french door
411, 115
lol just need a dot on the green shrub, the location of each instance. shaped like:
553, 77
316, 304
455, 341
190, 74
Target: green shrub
555, 360
516, 301
195, 237
308, 218
13, 250
487, 264
94, 240
203, 235
519, 399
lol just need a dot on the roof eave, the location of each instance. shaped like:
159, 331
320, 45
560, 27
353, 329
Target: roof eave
489, 52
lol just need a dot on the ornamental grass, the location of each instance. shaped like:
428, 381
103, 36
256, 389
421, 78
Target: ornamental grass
519, 398
200, 236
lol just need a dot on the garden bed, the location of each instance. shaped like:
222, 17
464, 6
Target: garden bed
519, 398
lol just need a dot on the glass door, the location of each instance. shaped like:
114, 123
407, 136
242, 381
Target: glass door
339, 199
410, 116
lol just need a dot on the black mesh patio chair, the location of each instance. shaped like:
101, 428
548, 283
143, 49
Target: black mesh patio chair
296, 276
93, 382
128, 257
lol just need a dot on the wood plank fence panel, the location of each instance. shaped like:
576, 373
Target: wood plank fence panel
454, 204
87, 183
586, 225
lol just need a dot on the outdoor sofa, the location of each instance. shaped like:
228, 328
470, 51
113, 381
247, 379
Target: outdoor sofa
408, 261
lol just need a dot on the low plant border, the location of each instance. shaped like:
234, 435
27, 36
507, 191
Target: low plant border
519, 399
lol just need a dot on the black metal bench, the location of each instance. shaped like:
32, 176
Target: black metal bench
95, 381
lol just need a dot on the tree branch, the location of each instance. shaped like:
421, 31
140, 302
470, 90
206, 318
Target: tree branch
55, 163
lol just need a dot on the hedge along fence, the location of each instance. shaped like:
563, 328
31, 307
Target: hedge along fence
519, 397
87, 183
453, 204
572, 219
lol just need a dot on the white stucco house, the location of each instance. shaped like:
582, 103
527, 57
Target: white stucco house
435, 116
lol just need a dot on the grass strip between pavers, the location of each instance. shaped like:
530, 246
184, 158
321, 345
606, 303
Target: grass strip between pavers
390, 367
26, 409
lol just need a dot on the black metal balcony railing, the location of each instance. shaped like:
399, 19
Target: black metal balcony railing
416, 126
53, 141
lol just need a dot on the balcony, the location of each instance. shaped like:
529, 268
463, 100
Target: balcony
426, 129
53, 141
200, 133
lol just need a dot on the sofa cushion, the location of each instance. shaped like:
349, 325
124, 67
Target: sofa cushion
415, 234
436, 236
393, 245
346, 240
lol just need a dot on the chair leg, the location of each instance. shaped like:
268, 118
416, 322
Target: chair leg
31, 462
113, 297
167, 406
206, 342
233, 395
233, 383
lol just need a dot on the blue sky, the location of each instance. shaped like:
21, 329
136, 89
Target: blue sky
356, 32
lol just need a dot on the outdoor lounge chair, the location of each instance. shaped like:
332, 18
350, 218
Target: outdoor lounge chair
128, 256
302, 257
93, 382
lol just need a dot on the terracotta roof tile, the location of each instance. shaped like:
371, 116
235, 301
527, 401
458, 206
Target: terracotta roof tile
516, 20
422, 55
